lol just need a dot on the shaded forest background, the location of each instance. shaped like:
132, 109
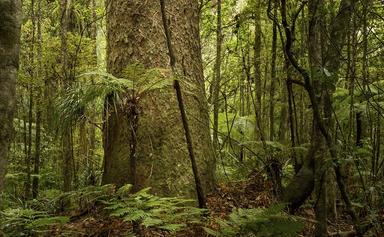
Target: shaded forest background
266, 113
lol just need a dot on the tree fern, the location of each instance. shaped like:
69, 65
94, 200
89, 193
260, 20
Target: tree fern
135, 83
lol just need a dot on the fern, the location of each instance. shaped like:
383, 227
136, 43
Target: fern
43, 223
170, 214
83, 199
173, 227
136, 82
258, 222
165, 213
27, 222
151, 222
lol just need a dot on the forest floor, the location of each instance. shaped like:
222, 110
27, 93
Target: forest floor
254, 192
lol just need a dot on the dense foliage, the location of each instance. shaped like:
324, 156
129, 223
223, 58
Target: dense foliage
295, 93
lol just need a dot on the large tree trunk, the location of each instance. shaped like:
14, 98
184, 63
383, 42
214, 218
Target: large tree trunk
9, 63
136, 35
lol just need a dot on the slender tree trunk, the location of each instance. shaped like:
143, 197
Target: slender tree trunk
39, 73
35, 180
28, 161
10, 20
317, 116
365, 74
67, 154
273, 79
257, 69
217, 80
32, 69
100, 38
315, 60
338, 33
275, 165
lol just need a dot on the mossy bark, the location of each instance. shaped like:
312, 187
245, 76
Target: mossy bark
136, 35
9, 63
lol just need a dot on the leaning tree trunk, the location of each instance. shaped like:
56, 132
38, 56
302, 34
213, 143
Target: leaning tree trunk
136, 35
9, 63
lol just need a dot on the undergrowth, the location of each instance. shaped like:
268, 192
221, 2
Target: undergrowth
270, 221
143, 210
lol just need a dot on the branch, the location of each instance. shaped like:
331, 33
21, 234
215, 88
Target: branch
199, 188
297, 82
296, 15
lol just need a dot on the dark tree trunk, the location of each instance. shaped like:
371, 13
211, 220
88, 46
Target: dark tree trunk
10, 13
273, 78
257, 69
315, 54
321, 126
67, 152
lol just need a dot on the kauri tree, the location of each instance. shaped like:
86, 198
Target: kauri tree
145, 143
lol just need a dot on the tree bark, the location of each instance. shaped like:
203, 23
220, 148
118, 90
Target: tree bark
273, 78
10, 20
67, 152
36, 163
217, 80
315, 54
257, 69
317, 116
136, 35
28, 158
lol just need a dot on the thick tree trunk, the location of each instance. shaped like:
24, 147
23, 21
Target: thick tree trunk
9, 63
136, 35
